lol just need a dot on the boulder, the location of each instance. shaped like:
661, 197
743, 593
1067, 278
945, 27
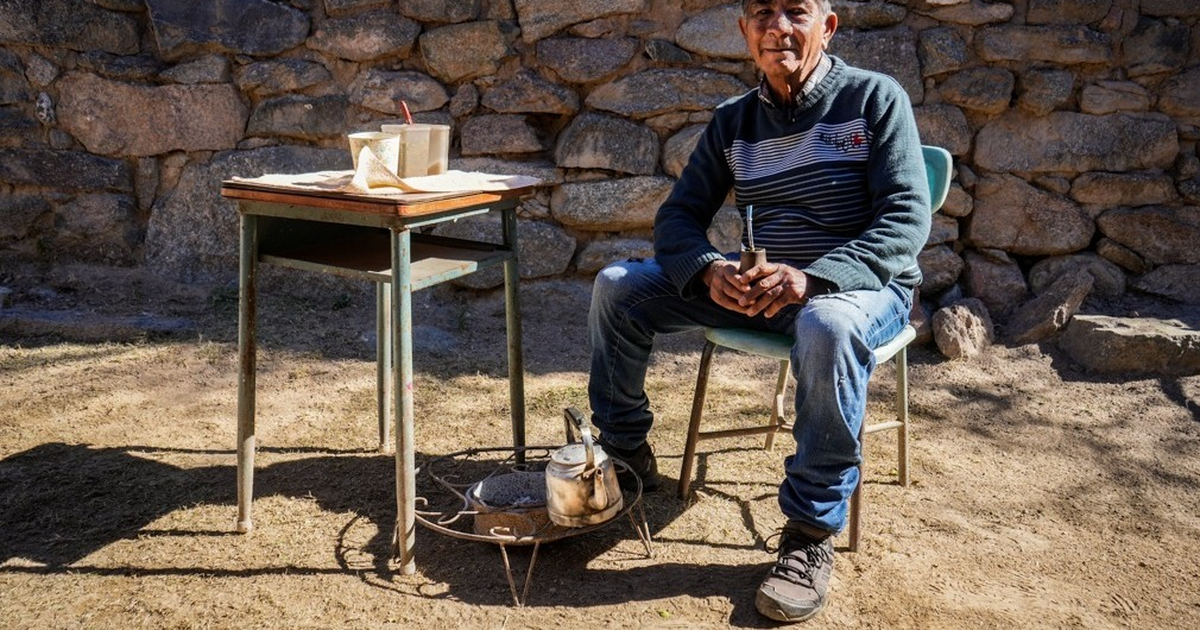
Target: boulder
1068, 142
339, 8
610, 205
14, 88
892, 52
1160, 234
267, 78
464, 51
963, 329
1155, 46
541, 18
659, 90
941, 49
382, 91
97, 228
22, 216
1180, 283
114, 118
1065, 45
854, 14
944, 229
1067, 11
607, 142
1049, 312
207, 69
302, 117
995, 279
725, 232
528, 93
1179, 96
1015, 217
987, 90
258, 28
1123, 189
959, 203
1121, 256
442, 11
1043, 90
678, 149
464, 101
64, 170
944, 126
1108, 279
193, 232
132, 68
972, 13
69, 24
1170, 8
1107, 97
599, 254
366, 36
940, 268
714, 33
664, 52
544, 249
1133, 345
493, 134
583, 60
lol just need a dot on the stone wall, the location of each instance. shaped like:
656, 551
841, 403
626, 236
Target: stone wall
1073, 123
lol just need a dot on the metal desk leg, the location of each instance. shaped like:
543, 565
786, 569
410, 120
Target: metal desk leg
402, 390
383, 363
512, 311
247, 306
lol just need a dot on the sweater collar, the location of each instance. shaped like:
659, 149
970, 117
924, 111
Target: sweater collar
818, 74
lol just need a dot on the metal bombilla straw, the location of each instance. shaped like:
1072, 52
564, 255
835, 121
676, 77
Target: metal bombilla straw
751, 256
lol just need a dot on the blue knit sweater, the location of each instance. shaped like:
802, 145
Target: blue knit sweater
836, 179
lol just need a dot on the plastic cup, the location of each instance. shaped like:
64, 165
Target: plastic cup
385, 146
415, 138
439, 149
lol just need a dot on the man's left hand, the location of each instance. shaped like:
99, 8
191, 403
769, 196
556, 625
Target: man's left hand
774, 286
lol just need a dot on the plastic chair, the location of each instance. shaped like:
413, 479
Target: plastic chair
779, 347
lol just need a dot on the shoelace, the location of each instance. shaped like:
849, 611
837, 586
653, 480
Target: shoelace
797, 568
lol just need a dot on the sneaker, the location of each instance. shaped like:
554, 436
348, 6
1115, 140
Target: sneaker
796, 587
640, 460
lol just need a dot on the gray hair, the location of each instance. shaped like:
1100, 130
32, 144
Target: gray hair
825, 6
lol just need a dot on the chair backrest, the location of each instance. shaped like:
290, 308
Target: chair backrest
937, 169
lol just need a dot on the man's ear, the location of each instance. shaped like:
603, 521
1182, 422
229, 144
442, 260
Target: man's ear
742, 28
831, 24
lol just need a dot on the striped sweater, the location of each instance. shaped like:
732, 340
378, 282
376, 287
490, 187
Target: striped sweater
836, 179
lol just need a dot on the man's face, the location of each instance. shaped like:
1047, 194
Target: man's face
785, 37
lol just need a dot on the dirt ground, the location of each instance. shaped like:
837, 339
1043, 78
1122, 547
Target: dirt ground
1041, 497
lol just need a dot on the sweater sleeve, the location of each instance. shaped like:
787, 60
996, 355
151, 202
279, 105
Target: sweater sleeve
681, 244
899, 193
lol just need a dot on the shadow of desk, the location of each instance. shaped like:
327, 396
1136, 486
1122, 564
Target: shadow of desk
370, 238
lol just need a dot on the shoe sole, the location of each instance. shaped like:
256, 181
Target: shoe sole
771, 608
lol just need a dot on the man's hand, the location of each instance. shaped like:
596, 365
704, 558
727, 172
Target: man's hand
763, 289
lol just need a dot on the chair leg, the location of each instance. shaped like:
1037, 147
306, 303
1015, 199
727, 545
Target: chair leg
777, 408
689, 451
856, 497
902, 414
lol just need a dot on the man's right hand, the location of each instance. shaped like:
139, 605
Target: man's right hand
725, 286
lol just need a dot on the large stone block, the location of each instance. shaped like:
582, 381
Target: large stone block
464, 51
583, 60
366, 36
142, 68
64, 170
987, 90
14, 88
1155, 46
344, 7
1051, 310
995, 279
714, 33
1170, 8
1180, 283
1068, 142
382, 91
607, 142
1044, 90
70, 24
1107, 278
267, 78
599, 254
1065, 45
892, 52
441, 10
193, 232
963, 329
973, 13
1133, 345
941, 49
940, 268
247, 27
206, 69
20, 216
302, 117
1107, 97
1161, 235
1123, 189
677, 150
660, 90
1013, 216
15, 121
545, 249
944, 126
1067, 11
101, 228
856, 14
610, 205
494, 134
114, 118
1179, 96
528, 93
541, 18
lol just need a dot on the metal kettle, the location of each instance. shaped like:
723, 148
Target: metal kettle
581, 482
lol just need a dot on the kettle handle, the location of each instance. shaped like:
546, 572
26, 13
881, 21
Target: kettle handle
574, 417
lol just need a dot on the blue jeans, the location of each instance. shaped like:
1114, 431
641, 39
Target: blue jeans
832, 361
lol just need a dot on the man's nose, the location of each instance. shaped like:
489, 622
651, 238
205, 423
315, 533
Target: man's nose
780, 22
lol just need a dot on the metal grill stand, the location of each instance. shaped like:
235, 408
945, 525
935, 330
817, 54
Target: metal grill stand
497, 501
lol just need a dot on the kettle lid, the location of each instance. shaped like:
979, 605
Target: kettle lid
576, 454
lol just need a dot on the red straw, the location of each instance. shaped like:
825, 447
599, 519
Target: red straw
407, 114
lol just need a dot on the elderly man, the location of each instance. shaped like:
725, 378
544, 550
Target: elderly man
829, 158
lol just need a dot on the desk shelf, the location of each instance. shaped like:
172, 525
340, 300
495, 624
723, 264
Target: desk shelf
367, 256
